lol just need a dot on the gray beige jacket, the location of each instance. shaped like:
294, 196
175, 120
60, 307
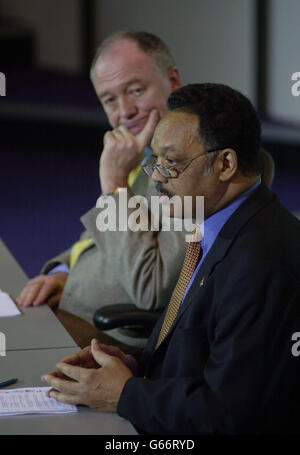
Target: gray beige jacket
122, 267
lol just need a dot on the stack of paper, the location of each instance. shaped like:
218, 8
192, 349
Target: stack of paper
31, 400
7, 306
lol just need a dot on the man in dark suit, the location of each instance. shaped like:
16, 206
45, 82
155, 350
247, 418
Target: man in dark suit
220, 360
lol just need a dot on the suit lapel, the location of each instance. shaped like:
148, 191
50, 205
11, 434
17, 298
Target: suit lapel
256, 201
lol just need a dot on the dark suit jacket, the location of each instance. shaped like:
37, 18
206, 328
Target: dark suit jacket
226, 365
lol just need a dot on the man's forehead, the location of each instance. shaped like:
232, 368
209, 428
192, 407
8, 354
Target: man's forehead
176, 130
123, 59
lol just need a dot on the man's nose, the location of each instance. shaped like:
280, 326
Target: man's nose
158, 177
127, 108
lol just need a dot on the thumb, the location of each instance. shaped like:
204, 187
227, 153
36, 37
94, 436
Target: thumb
99, 355
144, 137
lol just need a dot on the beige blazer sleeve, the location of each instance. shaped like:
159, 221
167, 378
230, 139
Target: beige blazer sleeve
122, 267
146, 264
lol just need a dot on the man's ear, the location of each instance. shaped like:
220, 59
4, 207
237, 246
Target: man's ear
174, 78
228, 164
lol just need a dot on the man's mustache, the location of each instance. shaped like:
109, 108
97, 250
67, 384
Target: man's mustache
159, 188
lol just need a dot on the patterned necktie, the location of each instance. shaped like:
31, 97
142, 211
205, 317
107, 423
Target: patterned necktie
191, 260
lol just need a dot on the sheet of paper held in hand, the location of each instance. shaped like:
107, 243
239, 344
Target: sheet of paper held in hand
31, 400
7, 306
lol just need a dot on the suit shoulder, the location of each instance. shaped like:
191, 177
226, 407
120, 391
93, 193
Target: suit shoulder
270, 239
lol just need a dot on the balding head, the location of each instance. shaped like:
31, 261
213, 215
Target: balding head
150, 44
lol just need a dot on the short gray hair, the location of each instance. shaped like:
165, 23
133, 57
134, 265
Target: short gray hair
151, 44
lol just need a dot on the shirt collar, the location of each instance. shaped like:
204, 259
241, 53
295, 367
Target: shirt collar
147, 154
214, 223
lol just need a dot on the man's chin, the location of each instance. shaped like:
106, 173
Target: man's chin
164, 199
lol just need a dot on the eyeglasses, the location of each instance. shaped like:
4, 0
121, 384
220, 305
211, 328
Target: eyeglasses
172, 172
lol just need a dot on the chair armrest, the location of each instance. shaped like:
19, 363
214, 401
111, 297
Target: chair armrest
124, 315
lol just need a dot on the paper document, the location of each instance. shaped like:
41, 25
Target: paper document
7, 306
31, 400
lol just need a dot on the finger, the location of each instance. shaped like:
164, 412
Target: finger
128, 138
112, 350
80, 358
108, 136
31, 293
22, 296
118, 135
71, 371
45, 291
116, 352
62, 385
99, 355
109, 349
54, 373
64, 398
126, 134
145, 136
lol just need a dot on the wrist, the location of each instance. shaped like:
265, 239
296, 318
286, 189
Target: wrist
61, 275
112, 189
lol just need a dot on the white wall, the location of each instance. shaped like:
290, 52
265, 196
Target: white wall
283, 59
212, 40
56, 23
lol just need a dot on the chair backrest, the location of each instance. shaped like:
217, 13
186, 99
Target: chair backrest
268, 167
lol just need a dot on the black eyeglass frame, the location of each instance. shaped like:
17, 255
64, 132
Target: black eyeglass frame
167, 171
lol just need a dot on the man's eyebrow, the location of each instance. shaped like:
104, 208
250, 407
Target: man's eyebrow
103, 94
163, 149
133, 81
124, 86
169, 148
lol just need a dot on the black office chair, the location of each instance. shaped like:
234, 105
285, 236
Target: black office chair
134, 322
267, 167
128, 318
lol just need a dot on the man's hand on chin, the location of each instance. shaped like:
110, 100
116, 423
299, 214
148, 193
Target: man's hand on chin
122, 153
